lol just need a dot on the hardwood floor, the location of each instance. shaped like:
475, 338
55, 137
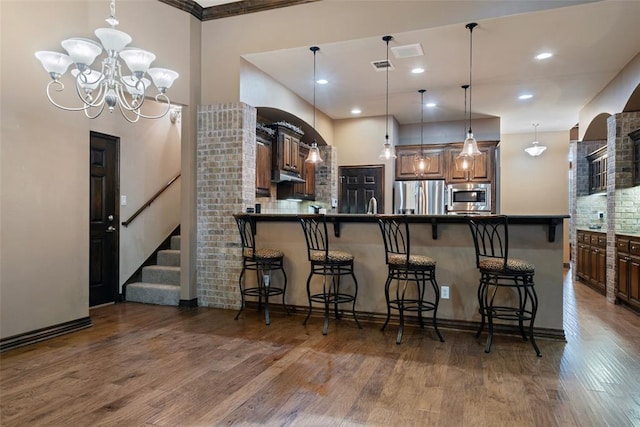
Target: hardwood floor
144, 365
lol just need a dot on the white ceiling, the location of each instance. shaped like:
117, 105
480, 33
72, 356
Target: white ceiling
591, 43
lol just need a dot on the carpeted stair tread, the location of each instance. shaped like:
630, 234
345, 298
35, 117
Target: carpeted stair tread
169, 257
153, 293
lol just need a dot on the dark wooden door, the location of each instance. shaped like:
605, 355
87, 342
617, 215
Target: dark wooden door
357, 185
103, 219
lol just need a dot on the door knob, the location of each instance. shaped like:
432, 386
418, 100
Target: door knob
111, 229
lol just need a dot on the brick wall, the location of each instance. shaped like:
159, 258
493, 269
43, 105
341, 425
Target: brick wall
226, 179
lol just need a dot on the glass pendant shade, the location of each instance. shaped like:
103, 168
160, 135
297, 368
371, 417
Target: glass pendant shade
54, 63
82, 51
112, 39
387, 152
470, 147
314, 154
162, 78
535, 150
137, 60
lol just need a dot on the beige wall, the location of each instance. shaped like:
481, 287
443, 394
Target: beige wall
44, 156
360, 141
613, 97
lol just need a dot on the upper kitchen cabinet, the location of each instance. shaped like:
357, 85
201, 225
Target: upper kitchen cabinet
482, 169
285, 150
300, 190
635, 136
598, 170
264, 142
405, 160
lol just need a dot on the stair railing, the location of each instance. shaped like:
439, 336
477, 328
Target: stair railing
151, 200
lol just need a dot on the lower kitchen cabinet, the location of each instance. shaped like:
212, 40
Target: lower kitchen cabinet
263, 167
591, 261
628, 271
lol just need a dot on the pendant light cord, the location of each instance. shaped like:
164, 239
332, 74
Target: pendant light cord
387, 39
470, 26
314, 49
422, 91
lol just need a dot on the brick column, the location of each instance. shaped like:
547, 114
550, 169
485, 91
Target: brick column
226, 158
327, 175
620, 207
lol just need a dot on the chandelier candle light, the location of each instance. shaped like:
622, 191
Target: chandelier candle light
314, 153
420, 163
388, 152
470, 147
535, 150
112, 87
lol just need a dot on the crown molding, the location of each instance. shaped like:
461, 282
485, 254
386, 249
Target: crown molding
230, 9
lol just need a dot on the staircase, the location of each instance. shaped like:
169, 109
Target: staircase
160, 283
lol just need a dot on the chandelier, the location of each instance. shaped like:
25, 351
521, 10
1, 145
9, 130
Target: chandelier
107, 87
535, 150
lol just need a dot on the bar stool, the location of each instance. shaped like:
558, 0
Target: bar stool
512, 278
405, 267
263, 261
331, 265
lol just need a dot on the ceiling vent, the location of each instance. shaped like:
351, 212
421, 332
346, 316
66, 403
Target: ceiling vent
407, 51
382, 65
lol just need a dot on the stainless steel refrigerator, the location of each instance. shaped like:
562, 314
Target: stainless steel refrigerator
424, 197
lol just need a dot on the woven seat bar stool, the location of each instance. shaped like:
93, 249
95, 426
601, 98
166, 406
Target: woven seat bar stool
263, 261
406, 268
332, 265
506, 290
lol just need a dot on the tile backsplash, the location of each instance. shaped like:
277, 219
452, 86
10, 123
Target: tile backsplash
627, 208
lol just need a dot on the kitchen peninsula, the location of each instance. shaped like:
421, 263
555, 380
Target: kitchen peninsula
447, 239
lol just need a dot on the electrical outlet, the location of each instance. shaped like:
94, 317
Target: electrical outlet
600, 215
334, 203
444, 292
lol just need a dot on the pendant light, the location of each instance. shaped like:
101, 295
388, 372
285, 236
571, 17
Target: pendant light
314, 153
388, 152
535, 150
470, 147
464, 162
420, 163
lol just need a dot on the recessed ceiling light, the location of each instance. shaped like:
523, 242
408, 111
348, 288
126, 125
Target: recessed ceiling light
525, 96
322, 81
544, 55
431, 104
417, 70
356, 111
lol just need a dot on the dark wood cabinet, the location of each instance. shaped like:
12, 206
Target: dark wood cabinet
598, 170
285, 151
635, 136
263, 164
405, 162
591, 261
304, 190
481, 169
628, 271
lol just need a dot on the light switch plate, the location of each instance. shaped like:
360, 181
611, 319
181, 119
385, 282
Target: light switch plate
123, 200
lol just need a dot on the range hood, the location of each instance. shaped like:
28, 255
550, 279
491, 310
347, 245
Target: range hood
286, 176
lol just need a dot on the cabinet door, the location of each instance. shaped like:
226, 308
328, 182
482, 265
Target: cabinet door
405, 163
622, 283
601, 275
583, 261
263, 168
287, 160
634, 279
310, 181
480, 169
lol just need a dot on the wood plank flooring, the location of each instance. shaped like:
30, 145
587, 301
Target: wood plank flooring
144, 365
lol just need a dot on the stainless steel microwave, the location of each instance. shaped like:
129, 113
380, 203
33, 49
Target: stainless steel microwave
472, 198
